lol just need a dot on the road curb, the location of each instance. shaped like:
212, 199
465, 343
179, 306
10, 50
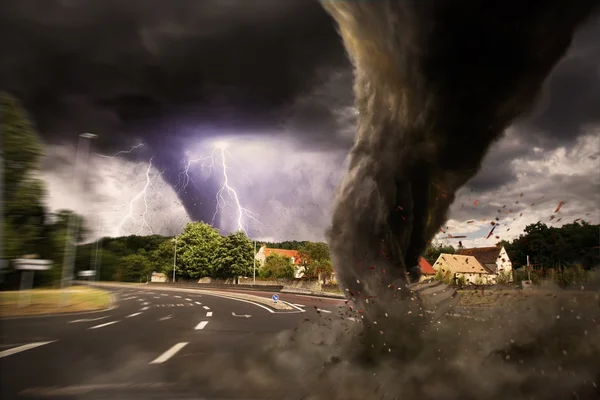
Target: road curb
312, 293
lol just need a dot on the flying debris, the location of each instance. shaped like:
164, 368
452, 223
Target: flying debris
562, 203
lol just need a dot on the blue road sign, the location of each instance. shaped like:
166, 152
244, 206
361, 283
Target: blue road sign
275, 297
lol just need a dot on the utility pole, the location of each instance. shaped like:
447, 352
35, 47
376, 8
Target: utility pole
174, 259
72, 229
528, 270
254, 271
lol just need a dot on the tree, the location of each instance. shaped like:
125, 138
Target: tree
277, 266
235, 256
434, 250
161, 258
316, 260
133, 268
550, 247
24, 212
196, 250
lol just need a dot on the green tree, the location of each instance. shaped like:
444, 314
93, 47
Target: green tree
434, 250
277, 266
24, 213
133, 268
161, 258
197, 247
235, 256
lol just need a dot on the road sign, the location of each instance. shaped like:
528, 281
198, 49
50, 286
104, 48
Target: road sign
275, 297
32, 265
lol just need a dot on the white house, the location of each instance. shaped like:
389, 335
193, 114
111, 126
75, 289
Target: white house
493, 258
264, 252
454, 266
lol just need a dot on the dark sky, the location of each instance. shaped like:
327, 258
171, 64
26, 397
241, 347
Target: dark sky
162, 72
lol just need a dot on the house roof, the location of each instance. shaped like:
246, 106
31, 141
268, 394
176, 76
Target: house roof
287, 253
461, 264
485, 255
426, 268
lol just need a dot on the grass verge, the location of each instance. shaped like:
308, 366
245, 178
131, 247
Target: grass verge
52, 301
498, 298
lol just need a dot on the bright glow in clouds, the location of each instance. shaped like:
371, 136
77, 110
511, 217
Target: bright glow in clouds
120, 197
276, 191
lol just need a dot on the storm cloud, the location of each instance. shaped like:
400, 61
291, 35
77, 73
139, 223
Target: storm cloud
176, 74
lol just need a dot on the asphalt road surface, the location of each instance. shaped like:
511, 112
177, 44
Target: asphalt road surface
142, 348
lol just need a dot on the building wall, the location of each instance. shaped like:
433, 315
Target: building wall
478, 279
504, 267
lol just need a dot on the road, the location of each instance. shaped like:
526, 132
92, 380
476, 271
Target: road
147, 346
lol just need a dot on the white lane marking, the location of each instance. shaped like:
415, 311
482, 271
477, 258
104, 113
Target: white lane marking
206, 307
87, 319
166, 318
325, 311
178, 297
164, 294
241, 315
293, 306
171, 305
299, 305
180, 305
209, 314
197, 302
190, 304
133, 315
24, 347
188, 299
351, 319
169, 353
156, 297
103, 325
145, 303
144, 308
201, 325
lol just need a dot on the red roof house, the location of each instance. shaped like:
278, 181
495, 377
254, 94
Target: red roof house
426, 268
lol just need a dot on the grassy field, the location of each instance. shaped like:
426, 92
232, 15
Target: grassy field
498, 298
52, 301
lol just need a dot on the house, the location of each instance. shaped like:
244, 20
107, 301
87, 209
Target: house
455, 266
158, 277
427, 271
264, 252
493, 258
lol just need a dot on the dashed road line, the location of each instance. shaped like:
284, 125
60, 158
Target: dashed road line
87, 319
325, 311
144, 308
206, 307
180, 305
169, 353
201, 325
164, 294
133, 315
188, 299
103, 325
209, 314
197, 302
145, 303
166, 318
24, 347
178, 297
299, 305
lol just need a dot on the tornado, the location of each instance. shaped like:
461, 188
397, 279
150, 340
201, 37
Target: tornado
436, 83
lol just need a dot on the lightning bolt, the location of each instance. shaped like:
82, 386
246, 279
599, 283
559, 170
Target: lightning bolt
142, 195
226, 190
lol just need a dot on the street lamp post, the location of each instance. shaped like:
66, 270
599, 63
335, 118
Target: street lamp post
174, 259
254, 271
83, 148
